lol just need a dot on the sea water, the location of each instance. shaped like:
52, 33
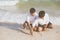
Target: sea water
10, 15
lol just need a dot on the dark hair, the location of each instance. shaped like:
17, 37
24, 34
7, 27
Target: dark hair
41, 13
32, 10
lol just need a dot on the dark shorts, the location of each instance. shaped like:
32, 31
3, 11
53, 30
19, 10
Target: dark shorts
28, 23
39, 25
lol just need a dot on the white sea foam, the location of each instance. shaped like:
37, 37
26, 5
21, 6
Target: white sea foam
8, 2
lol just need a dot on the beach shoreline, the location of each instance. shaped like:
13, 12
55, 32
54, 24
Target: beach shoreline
11, 25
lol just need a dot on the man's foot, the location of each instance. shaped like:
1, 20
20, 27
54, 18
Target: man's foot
32, 34
50, 25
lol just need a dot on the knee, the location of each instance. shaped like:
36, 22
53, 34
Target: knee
25, 24
35, 29
39, 29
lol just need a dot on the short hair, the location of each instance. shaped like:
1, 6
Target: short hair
41, 13
32, 10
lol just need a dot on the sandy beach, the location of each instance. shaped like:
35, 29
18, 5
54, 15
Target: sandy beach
14, 31
11, 21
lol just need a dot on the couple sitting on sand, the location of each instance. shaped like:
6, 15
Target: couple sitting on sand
37, 22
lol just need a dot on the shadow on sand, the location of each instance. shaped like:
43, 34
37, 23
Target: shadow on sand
13, 26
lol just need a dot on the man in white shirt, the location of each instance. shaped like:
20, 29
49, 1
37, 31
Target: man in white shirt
42, 22
31, 17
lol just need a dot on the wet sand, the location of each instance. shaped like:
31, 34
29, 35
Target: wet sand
14, 31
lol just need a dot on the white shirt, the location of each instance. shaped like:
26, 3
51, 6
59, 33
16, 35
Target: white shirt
31, 18
41, 21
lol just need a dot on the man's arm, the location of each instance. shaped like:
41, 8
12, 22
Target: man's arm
33, 25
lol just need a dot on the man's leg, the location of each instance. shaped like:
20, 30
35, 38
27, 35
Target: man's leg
25, 25
35, 28
39, 29
31, 30
44, 27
